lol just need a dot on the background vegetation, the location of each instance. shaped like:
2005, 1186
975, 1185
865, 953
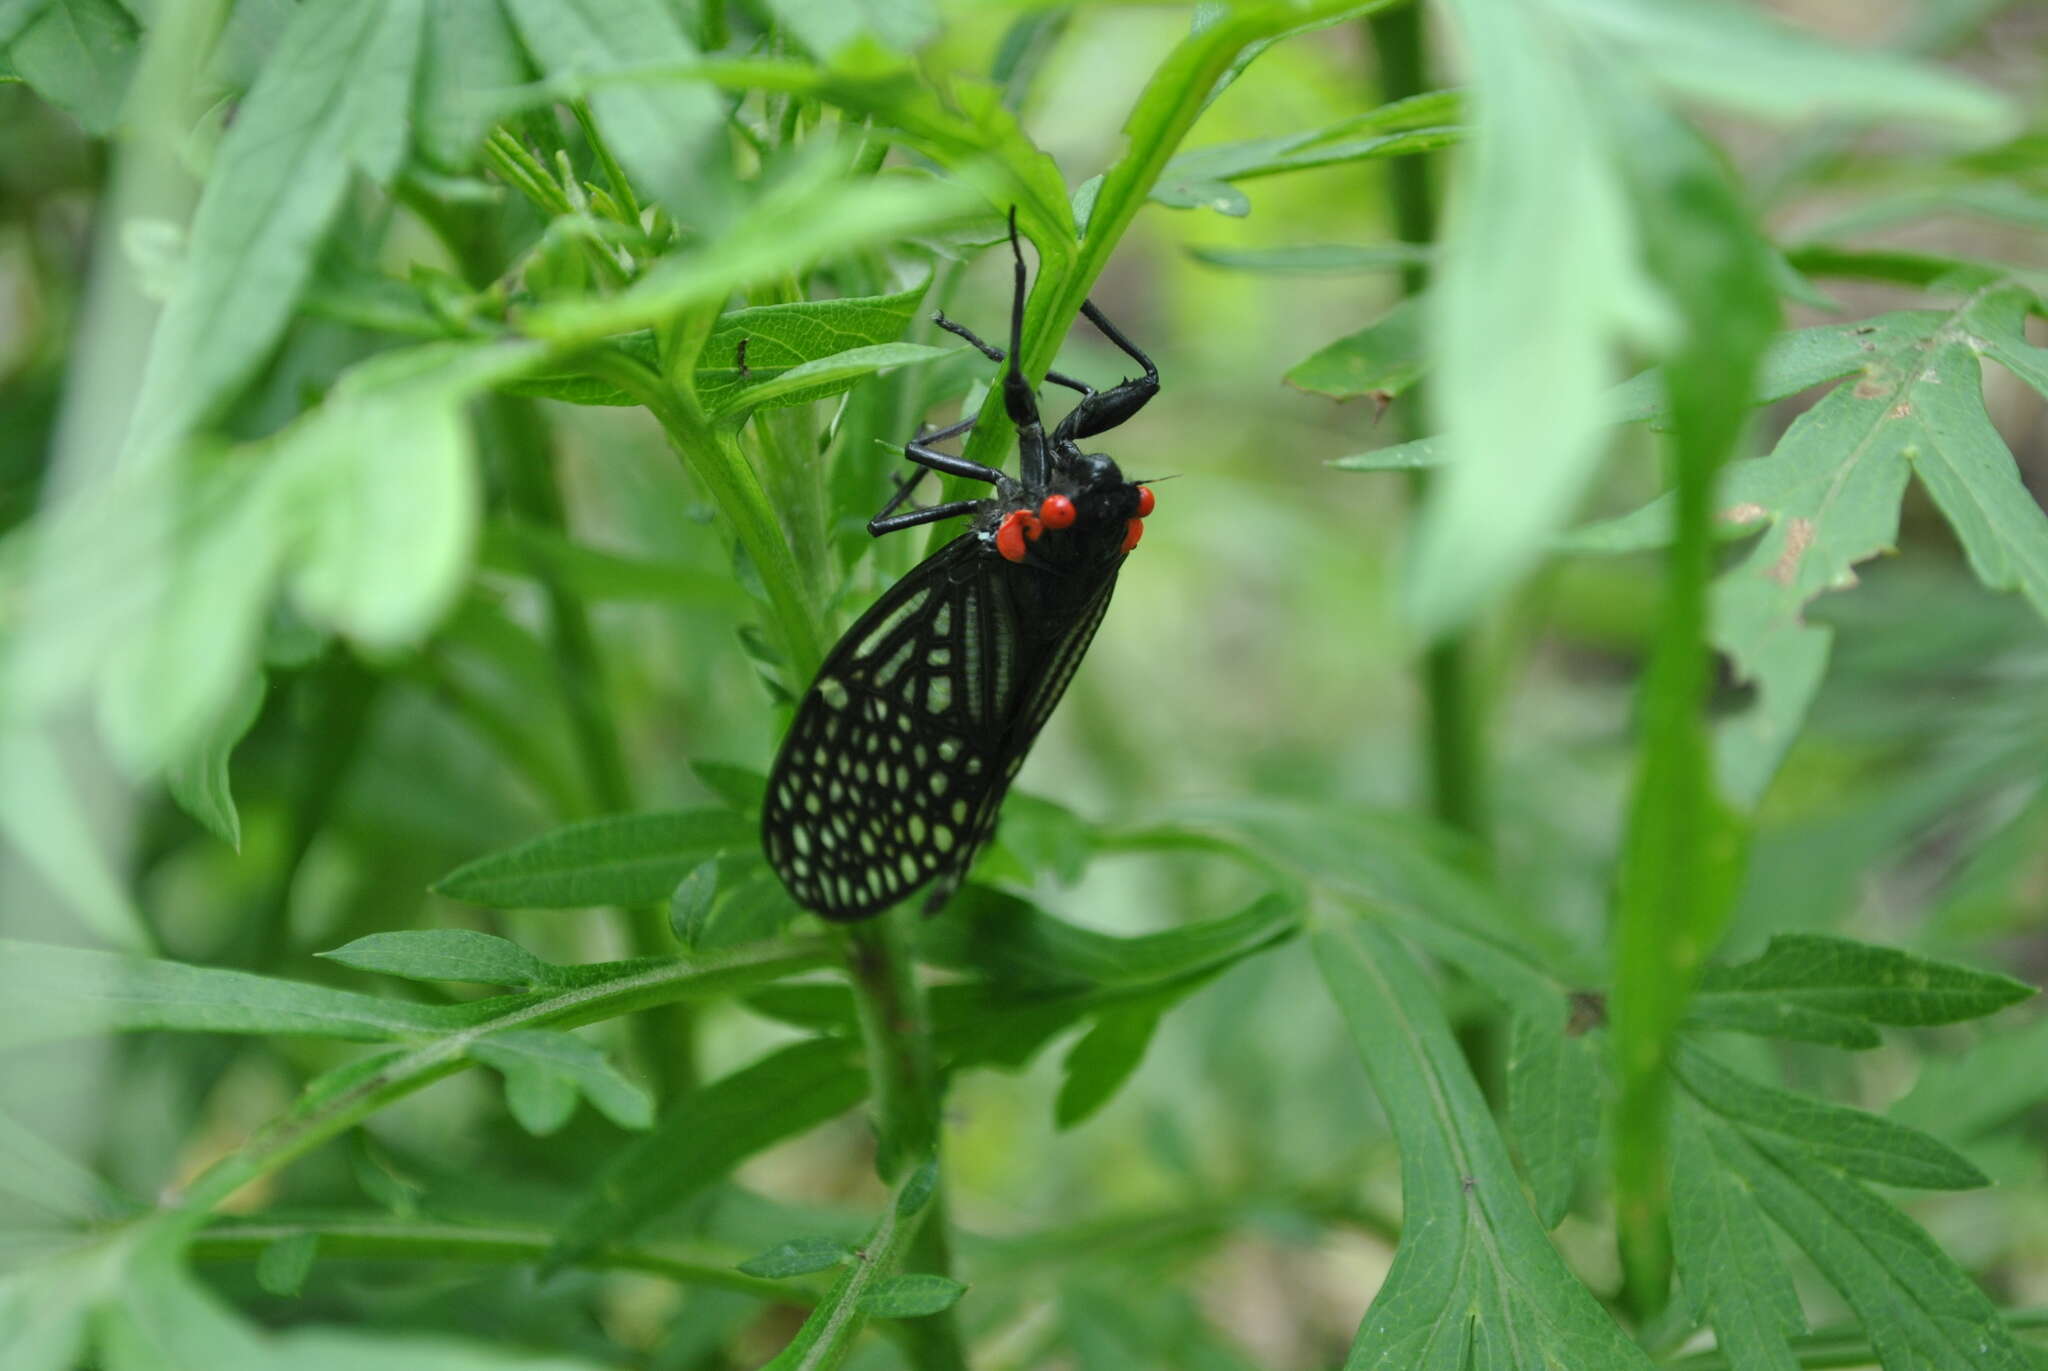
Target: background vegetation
1520, 880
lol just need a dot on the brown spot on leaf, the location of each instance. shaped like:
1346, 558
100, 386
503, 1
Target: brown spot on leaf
1588, 1012
1902, 410
1747, 512
1798, 538
1380, 400
1869, 388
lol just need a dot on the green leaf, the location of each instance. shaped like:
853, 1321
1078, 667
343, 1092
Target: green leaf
797, 1257
1478, 1286
911, 1296
917, 1188
284, 1265
742, 787
385, 475
1919, 1308
1313, 259
525, 1054
1383, 358
826, 26
1849, 1140
1201, 178
689, 907
595, 573
78, 55
1098, 1065
1965, 465
1536, 185
200, 783
626, 860
332, 102
36, 1171
1553, 1084
60, 992
709, 1131
1727, 1258
828, 1334
447, 954
782, 338
1734, 56
805, 216
470, 51
826, 376
59, 837
669, 136
1811, 987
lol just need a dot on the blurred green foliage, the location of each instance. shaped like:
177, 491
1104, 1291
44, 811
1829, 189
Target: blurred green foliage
1507, 913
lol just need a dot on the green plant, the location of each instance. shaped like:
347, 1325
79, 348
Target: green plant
367, 519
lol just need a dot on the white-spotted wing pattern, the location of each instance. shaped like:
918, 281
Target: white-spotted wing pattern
897, 762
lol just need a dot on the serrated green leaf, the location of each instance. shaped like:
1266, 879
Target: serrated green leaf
1920, 1309
626, 860
781, 338
1552, 1118
78, 55
1098, 1065
1966, 467
911, 1296
707, 1132
283, 1266
60, 992
797, 1257
1479, 1286
332, 102
1313, 259
669, 136
446, 954
1727, 1258
1860, 1144
1383, 358
1811, 987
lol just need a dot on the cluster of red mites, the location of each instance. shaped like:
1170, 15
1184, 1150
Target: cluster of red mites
1021, 526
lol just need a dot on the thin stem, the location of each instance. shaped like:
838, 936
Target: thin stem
896, 1030
1456, 738
393, 1240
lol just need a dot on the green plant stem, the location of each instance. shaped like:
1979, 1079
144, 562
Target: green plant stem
1456, 733
396, 1240
896, 1031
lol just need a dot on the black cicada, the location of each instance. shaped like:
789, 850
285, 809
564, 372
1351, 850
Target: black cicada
902, 749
